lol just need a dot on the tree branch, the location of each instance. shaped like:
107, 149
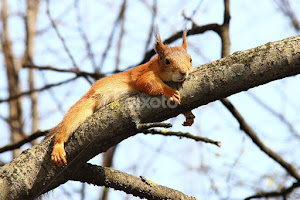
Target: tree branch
195, 30
37, 90
108, 177
12, 76
283, 192
95, 75
250, 132
30, 27
108, 126
181, 134
17, 145
62, 39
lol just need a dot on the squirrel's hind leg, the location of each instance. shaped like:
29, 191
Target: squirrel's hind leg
189, 118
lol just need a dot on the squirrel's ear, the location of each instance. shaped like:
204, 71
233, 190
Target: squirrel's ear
184, 42
158, 45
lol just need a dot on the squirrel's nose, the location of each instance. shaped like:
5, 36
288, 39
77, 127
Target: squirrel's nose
183, 73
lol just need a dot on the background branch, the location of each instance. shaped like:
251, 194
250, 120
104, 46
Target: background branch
182, 135
36, 90
281, 193
95, 75
24, 141
250, 132
108, 177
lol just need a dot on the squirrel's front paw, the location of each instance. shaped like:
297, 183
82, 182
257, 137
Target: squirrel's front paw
58, 156
174, 96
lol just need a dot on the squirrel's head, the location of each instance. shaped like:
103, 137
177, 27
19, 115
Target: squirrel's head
175, 63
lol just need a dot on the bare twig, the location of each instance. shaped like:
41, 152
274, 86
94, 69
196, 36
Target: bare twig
286, 9
181, 134
150, 34
36, 90
95, 75
283, 119
84, 37
190, 18
62, 39
194, 31
109, 41
250, 132
52, 93
24, 141
60, 36
119, 45
283, 192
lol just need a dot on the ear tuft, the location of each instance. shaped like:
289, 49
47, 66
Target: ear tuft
184, 40
158, 45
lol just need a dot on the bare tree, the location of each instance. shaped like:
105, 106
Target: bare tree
12, 70
30, 23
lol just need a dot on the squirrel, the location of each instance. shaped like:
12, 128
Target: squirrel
171, 64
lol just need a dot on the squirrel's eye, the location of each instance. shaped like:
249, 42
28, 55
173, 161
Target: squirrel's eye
191, 60
167, 61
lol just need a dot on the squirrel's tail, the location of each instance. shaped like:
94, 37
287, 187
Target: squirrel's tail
76, 115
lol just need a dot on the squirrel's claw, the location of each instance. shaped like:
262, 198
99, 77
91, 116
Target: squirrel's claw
176, 97
58, 156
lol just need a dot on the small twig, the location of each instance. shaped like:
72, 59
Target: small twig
283, 192
95, 75
24, 141
150, 34
62, 39
190, 18
60, 36
144, 126
119, 45
280, 116
194, 24
84, 36
109, 41
175, 36
37, 90
285, 7
181, 134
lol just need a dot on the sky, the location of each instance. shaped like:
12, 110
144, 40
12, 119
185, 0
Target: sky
233, 171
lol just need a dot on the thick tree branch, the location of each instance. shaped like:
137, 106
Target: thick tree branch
111, 124
108, 177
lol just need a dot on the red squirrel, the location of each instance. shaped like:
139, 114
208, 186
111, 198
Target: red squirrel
171, 64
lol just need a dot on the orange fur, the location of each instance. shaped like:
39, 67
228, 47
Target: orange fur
171, 64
